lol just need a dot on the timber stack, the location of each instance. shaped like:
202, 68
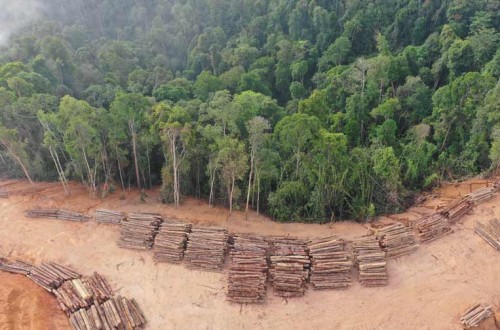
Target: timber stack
51, 276
490, 232
432, 227
170, 242
457, 209
115, 313
290, 265
397, 240
138, 231
371, 261
473, 316
56, 214
108, 216
330, 263
206, 248
248, 269
16, 267
482, 195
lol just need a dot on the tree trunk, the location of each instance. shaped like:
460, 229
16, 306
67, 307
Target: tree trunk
134, 150
231, 196
249, 182
62, 177
20, 162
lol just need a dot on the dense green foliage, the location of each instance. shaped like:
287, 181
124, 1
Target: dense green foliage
307, 110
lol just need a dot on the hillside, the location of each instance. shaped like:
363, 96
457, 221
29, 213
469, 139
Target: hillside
304, 110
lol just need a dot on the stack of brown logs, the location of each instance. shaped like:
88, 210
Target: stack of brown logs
371, 261
482, 195
115, 313
473, 316
56, 214
138, 231
289, 269
170, 242
397, 240
331, 265
457, 209
248, 269
51, 275
16, 267
108, 216
206, 248
73, 295
432, 227
490, 232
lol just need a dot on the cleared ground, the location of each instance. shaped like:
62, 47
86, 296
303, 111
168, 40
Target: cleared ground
428, 289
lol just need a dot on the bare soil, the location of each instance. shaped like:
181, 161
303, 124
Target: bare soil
428, 289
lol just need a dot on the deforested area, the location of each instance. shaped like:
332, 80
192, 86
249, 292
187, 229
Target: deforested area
236, 164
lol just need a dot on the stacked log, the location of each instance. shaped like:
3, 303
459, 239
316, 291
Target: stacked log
473, 316
116, 313
330, 263
56, 214
289, 269
481, 195
17, 267
397, 240
457, 209
432, 227
371, 261
490, 232
73, 295
138, 231
51, 275
248, 269
98, 287
107, 216
170, 242
206, 248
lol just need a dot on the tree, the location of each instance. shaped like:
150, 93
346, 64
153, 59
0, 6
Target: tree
129, 116
233, 159
15, 148
257, 128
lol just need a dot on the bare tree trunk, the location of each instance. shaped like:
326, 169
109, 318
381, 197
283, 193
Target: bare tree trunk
212, 182
249, 182
20, 162
62, 177
231, 196
175, 169
119, 169
134, 149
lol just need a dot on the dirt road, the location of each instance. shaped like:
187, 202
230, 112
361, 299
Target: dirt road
427, 290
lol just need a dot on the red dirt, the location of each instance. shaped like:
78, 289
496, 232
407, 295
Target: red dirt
428, 289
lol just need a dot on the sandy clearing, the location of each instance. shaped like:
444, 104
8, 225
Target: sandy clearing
427, 290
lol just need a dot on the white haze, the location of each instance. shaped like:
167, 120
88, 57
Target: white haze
16, 14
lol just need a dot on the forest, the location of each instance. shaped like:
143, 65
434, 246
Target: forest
304, 110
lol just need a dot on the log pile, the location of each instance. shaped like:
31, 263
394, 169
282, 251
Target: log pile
108, 216
51, 275
457, 209
170, 242
17, 267
432, 227
56, 214
473, 316
490, 232
115, 313
397, 240
248, 269
138, 231
371, 261
206, 248
98, 287
4, 194
330, 263
289, 269
481, 195
73, 295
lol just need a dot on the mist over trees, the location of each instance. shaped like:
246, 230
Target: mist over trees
303, 110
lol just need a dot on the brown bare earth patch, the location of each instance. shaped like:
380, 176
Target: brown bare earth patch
427, 290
